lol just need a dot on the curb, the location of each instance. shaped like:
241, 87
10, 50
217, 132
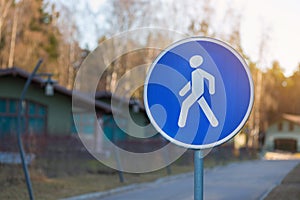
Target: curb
266, 193
104, 193
127, 188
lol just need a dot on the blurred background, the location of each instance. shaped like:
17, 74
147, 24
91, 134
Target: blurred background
63, 33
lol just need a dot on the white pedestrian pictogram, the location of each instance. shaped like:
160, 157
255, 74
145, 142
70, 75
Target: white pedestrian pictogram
196, 85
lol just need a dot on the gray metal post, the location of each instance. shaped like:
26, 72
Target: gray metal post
117, 155
198, 175
20, 144
116, 152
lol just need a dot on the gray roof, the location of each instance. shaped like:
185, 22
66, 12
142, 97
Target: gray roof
292, 118
15, 71
108, 95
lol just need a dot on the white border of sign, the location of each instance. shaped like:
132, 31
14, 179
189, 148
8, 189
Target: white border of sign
239, 127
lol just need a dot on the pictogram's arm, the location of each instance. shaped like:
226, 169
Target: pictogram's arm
185, 89
211, 81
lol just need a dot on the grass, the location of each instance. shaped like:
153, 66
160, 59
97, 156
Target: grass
55, 188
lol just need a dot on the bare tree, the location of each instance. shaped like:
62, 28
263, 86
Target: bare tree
5, 9
14, 35
201, 26
5, 6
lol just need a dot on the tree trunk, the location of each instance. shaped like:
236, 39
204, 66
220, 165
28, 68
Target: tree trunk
70, 65
13, 38
3, 13
4, 8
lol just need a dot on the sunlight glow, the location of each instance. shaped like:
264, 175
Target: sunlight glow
275, 22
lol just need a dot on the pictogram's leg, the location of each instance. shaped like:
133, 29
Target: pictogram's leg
186, 105
208, 112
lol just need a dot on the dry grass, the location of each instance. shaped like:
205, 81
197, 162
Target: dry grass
55, 188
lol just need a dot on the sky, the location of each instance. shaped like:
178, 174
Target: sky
279, 21
276, 21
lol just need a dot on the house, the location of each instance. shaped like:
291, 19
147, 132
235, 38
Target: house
42, 115
53, 116
284, 134
129, 126
125, 111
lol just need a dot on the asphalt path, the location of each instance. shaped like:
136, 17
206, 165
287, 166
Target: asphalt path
245, 180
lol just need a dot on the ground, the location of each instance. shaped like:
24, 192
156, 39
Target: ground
289, 189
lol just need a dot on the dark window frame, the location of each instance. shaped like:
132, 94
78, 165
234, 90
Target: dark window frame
291, 126
26, 114
280, 126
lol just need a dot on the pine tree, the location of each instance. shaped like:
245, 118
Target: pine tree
29, 31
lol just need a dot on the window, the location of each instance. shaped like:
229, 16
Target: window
36, 118
36, 125
285, 144
8, 125
31, 109
2, 105
280, 126
291, 126
112, 131
12, 106
85, 123
33, 117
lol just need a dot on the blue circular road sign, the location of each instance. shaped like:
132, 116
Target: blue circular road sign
198, 93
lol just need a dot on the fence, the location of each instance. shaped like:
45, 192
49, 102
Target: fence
55, 156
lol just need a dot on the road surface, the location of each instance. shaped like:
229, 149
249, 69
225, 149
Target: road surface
246, 180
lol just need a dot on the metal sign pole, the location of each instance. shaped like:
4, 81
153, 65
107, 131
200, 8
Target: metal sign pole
198, 175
